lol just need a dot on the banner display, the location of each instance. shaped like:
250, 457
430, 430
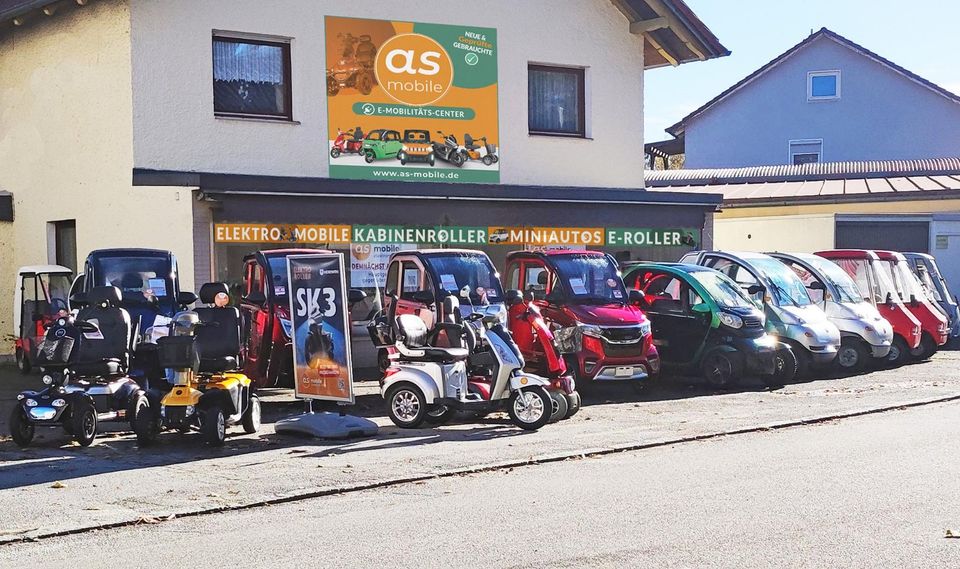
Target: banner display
635, 237
411, 101
321, 328
368, 262
267, 233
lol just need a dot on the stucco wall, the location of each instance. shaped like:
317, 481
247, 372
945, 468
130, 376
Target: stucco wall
7, 270
880, 115
794, 233
66, 144
175, 127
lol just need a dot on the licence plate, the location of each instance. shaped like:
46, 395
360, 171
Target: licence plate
624, 371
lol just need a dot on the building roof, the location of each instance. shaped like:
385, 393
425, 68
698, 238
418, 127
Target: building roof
672, 33
679, 127
827, 182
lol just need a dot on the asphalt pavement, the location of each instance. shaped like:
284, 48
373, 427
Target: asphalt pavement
872, 491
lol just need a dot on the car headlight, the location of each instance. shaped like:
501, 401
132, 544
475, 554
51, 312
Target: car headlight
591, 330
645, 328
404, 148
190, 410
31, 403
731, 320
287, 326
47, 379
58, 403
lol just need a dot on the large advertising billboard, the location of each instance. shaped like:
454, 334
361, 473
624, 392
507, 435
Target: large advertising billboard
412, 101
321, 328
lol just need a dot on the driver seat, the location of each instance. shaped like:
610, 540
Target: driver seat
469, 143
218, 345
107, 353
412, 336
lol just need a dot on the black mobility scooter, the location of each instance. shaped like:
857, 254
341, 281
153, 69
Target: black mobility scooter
84, 362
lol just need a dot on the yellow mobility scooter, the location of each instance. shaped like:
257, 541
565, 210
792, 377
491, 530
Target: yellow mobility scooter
208, 392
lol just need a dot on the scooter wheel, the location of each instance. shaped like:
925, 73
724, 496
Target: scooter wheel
214, 425
573, 404
487, 160
440, 415
20, 427
530, 408
144, 422
251, 416
559, 406
83, 419
334, 153
406, 406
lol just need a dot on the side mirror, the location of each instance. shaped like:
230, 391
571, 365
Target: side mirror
424, 297
913, 300
701, 308
256, 297
514, 297
185, 298
816, 285
355, 295
756, 289
465, 291
889, 300
636, 297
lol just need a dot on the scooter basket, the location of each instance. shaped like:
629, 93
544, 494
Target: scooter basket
178, 352
55, 350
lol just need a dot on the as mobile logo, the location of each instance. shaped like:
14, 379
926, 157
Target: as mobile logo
414, 69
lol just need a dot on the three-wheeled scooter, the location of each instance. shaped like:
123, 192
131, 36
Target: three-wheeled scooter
704, 323
41, 295
865, 336
84, 361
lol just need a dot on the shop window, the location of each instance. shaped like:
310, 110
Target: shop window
556, 100
64, 243
823, 85
251, 78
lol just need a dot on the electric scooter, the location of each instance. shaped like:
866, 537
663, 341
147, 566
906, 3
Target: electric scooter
487, 153
528, 327
429, 383
347, 143
449, 150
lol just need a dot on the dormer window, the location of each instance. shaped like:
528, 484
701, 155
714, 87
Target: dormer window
823, 85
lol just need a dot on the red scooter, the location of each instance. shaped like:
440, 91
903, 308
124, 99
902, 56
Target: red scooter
529, 329
347, 143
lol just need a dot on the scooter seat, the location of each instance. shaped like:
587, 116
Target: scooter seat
431, 354
101, 368
215, 365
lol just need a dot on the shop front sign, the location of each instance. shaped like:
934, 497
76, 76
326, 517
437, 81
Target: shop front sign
270, 233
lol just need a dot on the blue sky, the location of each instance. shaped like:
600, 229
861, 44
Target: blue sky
919, 35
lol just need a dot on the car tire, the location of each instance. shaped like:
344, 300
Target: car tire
925, 350
803, 361
784, 368
899, 352
214, 425
83, 417
532, 411
853, 356
23, 361
21, 429
719, 369
432, 161
559, 406
251, 415
369, 157
406, 405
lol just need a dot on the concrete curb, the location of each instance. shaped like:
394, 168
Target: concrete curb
585, 453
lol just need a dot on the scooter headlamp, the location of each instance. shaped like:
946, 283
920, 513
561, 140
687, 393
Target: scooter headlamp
47, 379
31, 403
190, 410
58, 403
731, 320
20, 396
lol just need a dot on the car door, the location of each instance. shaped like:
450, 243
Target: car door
413, 279
256, 319
678, 331
392, 144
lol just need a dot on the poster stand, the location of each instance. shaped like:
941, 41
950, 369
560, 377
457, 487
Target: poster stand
323, 367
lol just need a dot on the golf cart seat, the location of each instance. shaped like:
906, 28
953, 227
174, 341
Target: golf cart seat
469, 143
412, 338
218, 344
106, 353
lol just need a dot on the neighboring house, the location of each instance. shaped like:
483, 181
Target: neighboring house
827, 99
205, 127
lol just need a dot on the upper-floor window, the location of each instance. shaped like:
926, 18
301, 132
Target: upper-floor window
556, 100
806, 151
823, 85
251, 78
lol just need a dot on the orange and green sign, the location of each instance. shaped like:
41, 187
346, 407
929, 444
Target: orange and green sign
421, 97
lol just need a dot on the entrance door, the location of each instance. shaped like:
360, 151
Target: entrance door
65, 244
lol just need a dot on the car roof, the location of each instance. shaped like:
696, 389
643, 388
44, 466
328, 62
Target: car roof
679, 267
36, 269
553, 253
129, 252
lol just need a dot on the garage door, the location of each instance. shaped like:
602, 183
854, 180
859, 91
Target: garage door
911, 236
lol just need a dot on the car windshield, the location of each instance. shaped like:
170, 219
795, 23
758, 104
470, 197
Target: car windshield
927, 280
456, 270
847, 289
278, 270
909, 282
139, 278
589, 278
724, 290
786, 287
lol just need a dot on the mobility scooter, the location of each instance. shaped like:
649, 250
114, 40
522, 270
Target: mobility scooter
790, 313
40, 296
602, 336
486, 153
347, 143
878, 289
865, 336
449, 150
354, 68
704, 324
933, 322
926, 268
84, 360
416, 148
481, 371
209, 392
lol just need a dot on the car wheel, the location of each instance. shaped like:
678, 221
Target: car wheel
334, 152
214, 425
852, 356
20, 427
251, 416
559, 406
369, 157
83, 419
530, 408
432, 161
784, 367
406, 406
925, 350
899, 352
23, 361
719, 369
